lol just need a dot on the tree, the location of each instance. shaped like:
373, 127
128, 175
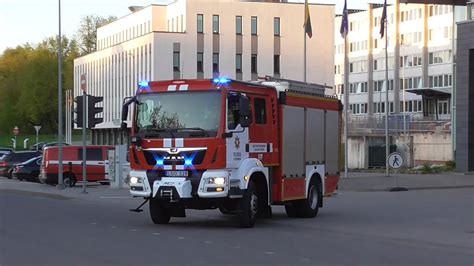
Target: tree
87, 33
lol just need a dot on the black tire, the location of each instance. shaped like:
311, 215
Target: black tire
104, 183
69, 180
309, 207
249, 207
159, 213
10, 174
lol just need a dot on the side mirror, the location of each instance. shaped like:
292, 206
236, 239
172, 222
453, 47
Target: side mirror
124, 112
123, 126
244, 109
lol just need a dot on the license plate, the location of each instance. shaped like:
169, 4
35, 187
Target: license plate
176, 173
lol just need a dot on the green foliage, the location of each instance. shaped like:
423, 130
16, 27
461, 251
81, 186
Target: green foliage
450, 165
29, 84
87, 33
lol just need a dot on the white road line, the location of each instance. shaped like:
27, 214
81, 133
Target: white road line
207, 242
269, 252
180, 237
93, 223
156, 234
133, 230
112, 197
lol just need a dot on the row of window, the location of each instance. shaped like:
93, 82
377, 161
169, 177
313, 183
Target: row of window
440, 57
358, 46
238, 25
411, 83
175, 24
436, 10
440, 81
125, 35
411, 38
413, 60
379, 107
216, 59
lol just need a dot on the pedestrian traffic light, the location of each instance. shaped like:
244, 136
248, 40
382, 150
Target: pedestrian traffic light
79, 111
92, 111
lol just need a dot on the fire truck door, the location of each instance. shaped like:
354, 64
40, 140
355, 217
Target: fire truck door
261, 131
238, 118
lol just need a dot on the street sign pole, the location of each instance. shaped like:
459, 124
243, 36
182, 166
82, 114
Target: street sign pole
395, 161
37, 129
84, 159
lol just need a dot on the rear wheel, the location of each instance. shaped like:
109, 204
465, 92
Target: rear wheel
249, 207
309, 207
159, 213
69, 180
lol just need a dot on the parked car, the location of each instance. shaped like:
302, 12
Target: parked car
5, 151
72, 164
28, 170
39, 145
42, 145
9, 161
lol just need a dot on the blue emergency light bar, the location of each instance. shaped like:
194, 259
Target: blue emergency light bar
143, 84
221, 80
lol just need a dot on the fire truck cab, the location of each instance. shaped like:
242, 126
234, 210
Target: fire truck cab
236, 146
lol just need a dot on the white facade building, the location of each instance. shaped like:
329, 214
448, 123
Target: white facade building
419, 59
191, 39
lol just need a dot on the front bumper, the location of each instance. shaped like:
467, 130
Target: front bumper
175, 188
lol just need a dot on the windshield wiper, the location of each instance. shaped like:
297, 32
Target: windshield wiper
196, 129
155, 132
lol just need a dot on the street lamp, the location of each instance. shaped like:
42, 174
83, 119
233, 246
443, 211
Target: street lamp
60, 106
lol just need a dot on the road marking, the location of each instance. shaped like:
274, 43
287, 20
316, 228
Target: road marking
113, 226
180, 237
237, 247
93, 223
156, 234
207, 242
269, 252
133, 230
111, 197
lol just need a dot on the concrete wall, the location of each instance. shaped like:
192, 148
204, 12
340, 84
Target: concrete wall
432, 147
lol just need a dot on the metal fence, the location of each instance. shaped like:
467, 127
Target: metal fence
397, 124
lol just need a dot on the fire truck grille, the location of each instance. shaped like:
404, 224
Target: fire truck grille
159, 157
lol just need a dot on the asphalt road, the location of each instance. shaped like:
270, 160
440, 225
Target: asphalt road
427, 227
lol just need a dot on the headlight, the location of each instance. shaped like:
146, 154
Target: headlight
135, 180
217, 180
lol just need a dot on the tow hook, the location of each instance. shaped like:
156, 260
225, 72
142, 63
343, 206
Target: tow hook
138, 208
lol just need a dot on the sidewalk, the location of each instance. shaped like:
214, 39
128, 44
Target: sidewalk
360, 181
94, 191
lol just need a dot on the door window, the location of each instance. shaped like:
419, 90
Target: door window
260, 111
92, 154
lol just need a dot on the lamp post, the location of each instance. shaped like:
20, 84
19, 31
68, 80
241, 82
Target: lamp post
60, 106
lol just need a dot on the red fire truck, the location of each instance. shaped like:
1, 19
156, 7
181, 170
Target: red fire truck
237, 146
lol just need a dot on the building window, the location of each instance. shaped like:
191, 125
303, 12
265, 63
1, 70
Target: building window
276, 26
238, 25
254, 25
253, 67
200, 23
200, 62
260, 111
276, 64
176, 61
215, 24
238, 63
215, 63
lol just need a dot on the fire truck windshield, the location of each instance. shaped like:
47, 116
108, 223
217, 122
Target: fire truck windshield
178, 114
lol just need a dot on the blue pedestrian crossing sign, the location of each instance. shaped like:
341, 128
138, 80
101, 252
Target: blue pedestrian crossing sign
395, 160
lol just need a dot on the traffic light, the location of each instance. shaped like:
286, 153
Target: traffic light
92, 110
78, 111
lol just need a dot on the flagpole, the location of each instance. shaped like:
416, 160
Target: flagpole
304, 33
386, 99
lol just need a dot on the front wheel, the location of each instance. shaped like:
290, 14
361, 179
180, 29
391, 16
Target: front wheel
158, 212
249, 207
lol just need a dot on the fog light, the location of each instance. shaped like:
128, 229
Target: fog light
219, 189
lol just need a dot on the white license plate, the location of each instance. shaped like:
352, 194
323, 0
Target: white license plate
176, 173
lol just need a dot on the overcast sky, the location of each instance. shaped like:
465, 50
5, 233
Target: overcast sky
23, 21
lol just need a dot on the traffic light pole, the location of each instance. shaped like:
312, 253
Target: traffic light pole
84, 125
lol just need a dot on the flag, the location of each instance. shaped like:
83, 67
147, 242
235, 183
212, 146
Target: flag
345, 21
307, 21
383, 20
